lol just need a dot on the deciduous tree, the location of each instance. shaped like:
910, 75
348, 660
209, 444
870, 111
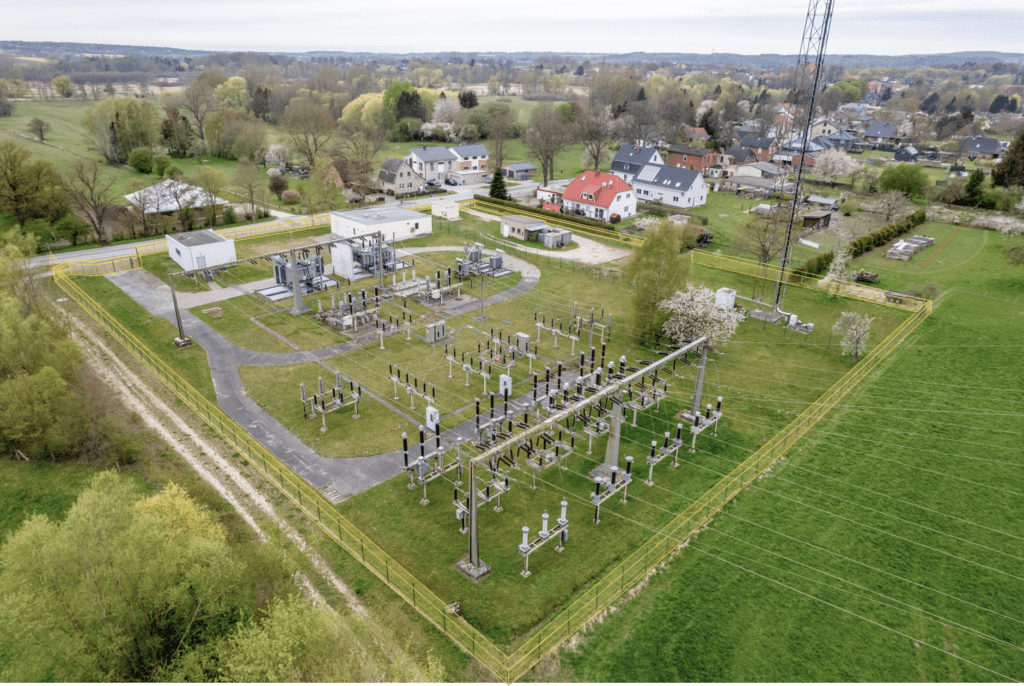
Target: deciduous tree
692, 314
763, 235
547, 136
213, 183
1010, 170
38, 128
655, 271
853, 330
249, 181
28, 189
309, 125
62, 86
832, 164
87, 187
893, 203
908, 178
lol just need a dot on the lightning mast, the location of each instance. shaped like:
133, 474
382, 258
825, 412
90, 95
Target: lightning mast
809, 64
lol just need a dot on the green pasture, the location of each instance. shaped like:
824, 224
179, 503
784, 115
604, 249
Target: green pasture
888, 546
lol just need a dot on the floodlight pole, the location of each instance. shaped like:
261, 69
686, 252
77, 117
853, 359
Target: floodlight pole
177, 314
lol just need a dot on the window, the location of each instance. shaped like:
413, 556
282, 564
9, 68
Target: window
416, 226
178, 250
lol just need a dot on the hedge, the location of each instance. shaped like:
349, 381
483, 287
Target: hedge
818, 263
885, 234
557, 215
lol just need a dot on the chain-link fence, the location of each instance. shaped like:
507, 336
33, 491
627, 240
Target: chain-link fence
570, 620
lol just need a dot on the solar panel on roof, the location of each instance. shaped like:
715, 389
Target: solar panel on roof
647, 173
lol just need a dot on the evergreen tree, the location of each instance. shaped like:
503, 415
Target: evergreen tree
641, 95
468, 99
1010, 171
498, 190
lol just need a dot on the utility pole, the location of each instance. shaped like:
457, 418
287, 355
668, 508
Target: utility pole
182, 340
298, 307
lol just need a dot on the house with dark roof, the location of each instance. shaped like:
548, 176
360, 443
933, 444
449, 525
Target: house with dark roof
738, 154
519, 171
983, 148
675, 186
630, 159
432, 163
841, 139
470, 157
397, 178
599, 195
881, 132
762, 146
692, 157
907, 154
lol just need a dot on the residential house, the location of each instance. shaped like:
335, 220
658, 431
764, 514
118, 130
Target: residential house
762, 146
960, 134
630, 159
982, 148
551, 194
470, 165
738, 154
907, 154
764, 170
599, 196
397, 178
842, 140
519, 171
432, 163
669, 185
690, 157
882, 133
823, 126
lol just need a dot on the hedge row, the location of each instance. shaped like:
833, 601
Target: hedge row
661, 211
818, 263
885, 234
557, 215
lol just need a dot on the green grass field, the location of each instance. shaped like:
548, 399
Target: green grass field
887, 547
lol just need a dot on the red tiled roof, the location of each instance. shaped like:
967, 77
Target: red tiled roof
602, 186
551, 207
699, 130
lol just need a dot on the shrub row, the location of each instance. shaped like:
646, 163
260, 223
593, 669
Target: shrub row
557, 215
818, 263
885, 234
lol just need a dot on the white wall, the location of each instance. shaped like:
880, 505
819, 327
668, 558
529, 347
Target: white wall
201, 256
396, 230
695, 196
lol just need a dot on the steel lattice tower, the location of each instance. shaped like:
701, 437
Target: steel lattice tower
809, 64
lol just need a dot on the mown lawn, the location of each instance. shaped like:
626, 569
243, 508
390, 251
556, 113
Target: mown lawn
888, 546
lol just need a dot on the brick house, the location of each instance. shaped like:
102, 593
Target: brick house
761, 146
690, 157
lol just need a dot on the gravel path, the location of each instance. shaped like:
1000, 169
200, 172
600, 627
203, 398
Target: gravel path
349, 475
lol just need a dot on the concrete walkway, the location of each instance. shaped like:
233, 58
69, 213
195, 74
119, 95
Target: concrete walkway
349, 475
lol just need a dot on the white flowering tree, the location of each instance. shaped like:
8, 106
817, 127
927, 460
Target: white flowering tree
853, 330
692, 314
839, 271
833, 164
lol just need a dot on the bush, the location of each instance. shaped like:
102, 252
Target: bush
141, 160
229, 215
849, 207
818, 263
615, 219
173, 171
160, 164
278, 185
291, 198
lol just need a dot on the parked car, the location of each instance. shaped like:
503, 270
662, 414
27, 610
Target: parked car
354, 200
451, 182
433, 184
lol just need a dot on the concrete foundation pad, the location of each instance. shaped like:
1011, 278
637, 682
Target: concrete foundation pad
472, 572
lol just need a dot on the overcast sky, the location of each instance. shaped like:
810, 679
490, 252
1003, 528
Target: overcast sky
741, 26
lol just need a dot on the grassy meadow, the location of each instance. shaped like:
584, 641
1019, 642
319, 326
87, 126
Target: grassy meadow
887, 547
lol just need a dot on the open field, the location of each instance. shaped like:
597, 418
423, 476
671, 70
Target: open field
887, 547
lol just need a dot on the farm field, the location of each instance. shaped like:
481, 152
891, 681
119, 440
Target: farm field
887, 546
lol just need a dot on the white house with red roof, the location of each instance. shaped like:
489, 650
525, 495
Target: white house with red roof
599, 195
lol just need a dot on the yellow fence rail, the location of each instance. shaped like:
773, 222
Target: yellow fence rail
508, 667
567, 223
859, 291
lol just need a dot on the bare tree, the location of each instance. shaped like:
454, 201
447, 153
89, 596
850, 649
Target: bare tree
87, 187
213, 182
251, 183
764, 116
357, 156
594, 129
198, 101
547, 136
499, 130
639, 124
763, 235
892, 203
310, 126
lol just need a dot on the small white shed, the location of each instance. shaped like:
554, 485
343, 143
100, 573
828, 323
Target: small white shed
200, 249
445, 209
